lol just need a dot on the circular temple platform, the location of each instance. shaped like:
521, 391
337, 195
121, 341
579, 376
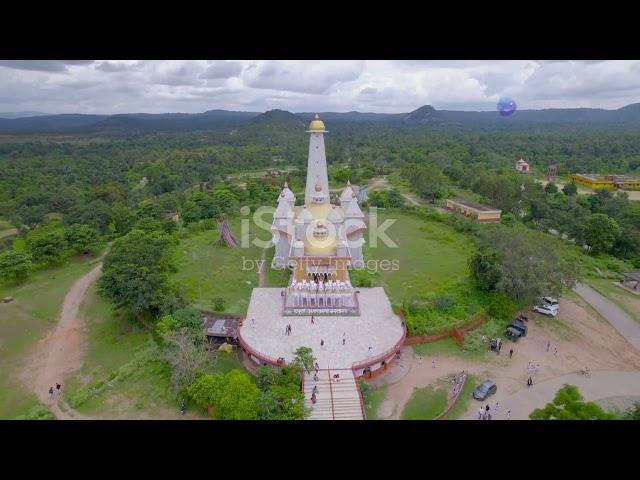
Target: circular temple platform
371, 339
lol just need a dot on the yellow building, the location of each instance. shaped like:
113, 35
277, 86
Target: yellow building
605, 181
480, 213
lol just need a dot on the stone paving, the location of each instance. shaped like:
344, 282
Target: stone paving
376, 327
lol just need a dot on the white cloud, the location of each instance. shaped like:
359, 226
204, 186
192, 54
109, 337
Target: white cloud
116, 86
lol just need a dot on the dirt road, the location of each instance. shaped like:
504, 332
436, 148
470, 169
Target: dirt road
599, 386
581, 336
62, 350
8, 233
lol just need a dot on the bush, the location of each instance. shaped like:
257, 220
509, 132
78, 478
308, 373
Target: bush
218, 304
39, 412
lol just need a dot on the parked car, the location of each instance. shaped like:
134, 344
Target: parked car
550, 301
516, 329
485, 390
547, 310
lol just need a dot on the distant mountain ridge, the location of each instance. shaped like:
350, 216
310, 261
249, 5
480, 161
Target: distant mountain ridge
426, 117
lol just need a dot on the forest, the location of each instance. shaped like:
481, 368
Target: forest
71, 194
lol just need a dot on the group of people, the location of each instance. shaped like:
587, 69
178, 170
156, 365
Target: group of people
325, 293
457, 382
483, 412
53, 392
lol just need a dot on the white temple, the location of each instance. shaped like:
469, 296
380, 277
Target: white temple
320, 241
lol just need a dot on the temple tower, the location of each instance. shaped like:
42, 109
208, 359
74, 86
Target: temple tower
317, 189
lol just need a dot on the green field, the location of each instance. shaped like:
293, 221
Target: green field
426, 403
4, 225
207, 271
372, 398
430, 255
26, 320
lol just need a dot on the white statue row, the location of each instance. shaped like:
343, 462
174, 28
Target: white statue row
324, 294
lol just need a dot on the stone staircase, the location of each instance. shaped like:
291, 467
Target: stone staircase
336, 400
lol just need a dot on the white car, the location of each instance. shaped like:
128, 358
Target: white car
549, 301
546, 310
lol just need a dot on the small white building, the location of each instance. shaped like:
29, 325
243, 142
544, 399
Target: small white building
522, 166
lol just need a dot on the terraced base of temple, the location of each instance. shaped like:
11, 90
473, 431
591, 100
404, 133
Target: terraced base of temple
347, 340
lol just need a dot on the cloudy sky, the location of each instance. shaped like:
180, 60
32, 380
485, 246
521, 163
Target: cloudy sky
153, 86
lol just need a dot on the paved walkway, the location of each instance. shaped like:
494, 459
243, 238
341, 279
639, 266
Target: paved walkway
376, 327
600, 385
618, 318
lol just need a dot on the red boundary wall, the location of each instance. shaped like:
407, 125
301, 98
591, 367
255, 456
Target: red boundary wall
457, 333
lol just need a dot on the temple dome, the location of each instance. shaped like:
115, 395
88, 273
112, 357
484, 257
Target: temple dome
305, 215
287, 194
316, 124
347, 193
334, 216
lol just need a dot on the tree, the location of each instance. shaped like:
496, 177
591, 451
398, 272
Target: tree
203, 391
524, 264
485, 267
15, 265
600, 232
568, 404
83, 238
135, 273
570, 188
304, 358
236, 396
633, 413
551, 188
46, 248
188, 355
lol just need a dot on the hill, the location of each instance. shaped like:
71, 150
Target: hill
424, 117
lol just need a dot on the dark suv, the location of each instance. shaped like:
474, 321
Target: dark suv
516, 329
485, 389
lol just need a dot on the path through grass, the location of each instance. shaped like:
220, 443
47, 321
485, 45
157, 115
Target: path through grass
28, 319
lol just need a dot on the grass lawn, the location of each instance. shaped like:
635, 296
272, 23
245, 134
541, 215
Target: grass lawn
426, 403
447, 346
4, 225
430, 255
464, 398
28, 319
626, 301
207, 271
372, 400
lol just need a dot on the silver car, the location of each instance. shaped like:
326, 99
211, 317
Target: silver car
547, 310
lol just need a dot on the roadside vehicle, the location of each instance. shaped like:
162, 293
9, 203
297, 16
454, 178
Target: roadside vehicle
546, 310
485, 390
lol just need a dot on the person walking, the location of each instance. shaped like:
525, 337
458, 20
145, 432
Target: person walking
510, 352
253, 322
508, 414
51, 392
321, 343
343, 340
495, 409
555, 351
480, 413
529, 382
433, 364
548, 345
312, 323
58, 387
315, 377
